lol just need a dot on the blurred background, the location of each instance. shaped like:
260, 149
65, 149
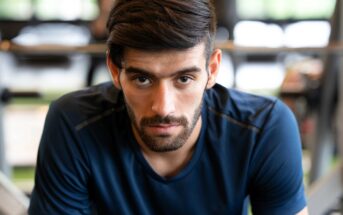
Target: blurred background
285, 48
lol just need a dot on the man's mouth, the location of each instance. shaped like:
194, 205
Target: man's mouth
164, 125
163, 128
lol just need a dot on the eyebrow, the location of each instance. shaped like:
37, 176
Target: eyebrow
134, 70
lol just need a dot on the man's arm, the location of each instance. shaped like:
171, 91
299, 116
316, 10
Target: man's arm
61, 179
277, 175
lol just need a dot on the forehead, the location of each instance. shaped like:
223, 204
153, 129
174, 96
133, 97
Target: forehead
165, 61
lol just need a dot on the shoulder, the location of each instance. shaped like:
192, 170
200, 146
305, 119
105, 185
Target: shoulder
242, 108
83, 105
264, 132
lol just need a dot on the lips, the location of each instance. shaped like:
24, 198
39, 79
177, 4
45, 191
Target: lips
164, 125
162, 129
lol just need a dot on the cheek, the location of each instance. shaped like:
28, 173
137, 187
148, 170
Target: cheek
189, 102
138, 103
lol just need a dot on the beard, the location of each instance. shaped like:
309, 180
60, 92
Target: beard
165, 142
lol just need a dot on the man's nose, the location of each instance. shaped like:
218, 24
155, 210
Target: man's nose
163, 100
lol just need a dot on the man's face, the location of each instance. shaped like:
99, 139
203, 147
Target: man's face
163, 93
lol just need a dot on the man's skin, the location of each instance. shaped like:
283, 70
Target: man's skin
168, 83
161, 85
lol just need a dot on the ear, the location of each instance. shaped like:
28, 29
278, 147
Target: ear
213, 67
113, 70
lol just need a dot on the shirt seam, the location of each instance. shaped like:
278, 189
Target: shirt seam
234, 121
96, 118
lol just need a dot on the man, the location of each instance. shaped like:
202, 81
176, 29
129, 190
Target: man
167, 139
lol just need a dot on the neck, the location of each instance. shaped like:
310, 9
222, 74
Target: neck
169, 164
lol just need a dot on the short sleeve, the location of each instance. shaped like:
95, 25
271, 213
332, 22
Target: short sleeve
61, 178
277, 175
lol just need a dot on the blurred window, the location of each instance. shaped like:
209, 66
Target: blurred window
64, 10
285, 9
254, 33
15, 9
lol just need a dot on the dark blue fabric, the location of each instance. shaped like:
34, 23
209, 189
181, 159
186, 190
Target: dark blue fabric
89, 161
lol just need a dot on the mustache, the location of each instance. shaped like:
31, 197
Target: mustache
148, 121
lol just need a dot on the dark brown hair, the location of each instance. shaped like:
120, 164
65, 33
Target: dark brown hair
157, 25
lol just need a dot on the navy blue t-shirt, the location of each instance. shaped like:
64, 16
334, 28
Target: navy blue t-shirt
89, 161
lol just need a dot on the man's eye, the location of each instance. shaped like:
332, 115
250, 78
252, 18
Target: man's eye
142, 81
184, 79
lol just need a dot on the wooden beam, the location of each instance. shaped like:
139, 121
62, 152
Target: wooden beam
100, 48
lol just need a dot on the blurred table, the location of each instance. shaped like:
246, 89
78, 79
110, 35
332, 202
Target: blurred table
100, 48
8, 46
